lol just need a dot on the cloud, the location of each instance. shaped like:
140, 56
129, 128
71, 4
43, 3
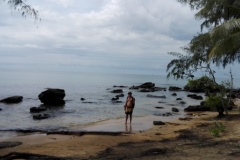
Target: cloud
98, 33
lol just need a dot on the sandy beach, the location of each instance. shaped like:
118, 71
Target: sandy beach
188, 138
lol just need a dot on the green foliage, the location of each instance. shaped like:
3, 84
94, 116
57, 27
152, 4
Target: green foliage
217, 129
202, 84
213, 101
222, 20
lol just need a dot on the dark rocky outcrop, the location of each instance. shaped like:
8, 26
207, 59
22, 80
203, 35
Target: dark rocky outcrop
0, 109
146, 90
179, 99
164, 114
119, 86
41, 116
117, 91
174, 94
182, 102
175, 109
37, 109
158, 123
115, 98
193, 108
174, 88
87, 102
147, 87
154, 96
9, 144
167, 114
120, 95
13, 99
194, 96
52, 97
159, 107
161, 102
82, 99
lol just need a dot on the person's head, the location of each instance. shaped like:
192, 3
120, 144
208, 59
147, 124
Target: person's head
129, 93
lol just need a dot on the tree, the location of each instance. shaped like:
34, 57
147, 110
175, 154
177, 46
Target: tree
219, 45
195, 60
24, 8
222, 19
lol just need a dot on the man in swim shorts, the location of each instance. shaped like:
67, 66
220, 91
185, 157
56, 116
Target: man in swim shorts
129, 106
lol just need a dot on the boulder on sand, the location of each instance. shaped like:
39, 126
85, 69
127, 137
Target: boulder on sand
13, 99
52, 97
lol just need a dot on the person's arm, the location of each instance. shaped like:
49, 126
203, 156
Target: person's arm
125, 105
133, 102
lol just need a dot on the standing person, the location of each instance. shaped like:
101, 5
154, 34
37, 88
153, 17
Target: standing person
128, 107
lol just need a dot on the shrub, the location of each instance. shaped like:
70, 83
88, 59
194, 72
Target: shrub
218, 127
202, 84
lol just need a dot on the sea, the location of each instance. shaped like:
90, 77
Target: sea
95, 88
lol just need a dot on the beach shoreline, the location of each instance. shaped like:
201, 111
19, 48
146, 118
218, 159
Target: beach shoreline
93, 146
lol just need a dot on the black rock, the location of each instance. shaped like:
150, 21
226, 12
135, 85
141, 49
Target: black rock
173, 88
182, 102
194, 96
179, 99
0, 109
154, 96
115, 99
120, 95
119, 86
37, 109
52, 97
11, 100
158, 123
175, 109
196, 108
159, 107
82, 99
117, 91
40, 116
174, 94
147, 85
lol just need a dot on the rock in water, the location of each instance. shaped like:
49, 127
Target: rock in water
52, 97
13, 99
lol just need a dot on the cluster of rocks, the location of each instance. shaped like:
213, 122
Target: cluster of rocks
50, 97
147, 87
119, 93
55, 97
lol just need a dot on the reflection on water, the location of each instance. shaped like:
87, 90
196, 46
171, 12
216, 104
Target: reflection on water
128, 128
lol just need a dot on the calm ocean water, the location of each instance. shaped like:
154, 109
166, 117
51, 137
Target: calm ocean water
93, 87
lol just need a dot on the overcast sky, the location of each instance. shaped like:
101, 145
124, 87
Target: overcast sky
119, 36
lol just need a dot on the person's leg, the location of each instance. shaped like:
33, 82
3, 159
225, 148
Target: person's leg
130, 118
126, 118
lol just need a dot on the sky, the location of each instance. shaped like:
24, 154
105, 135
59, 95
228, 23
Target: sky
103, 36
